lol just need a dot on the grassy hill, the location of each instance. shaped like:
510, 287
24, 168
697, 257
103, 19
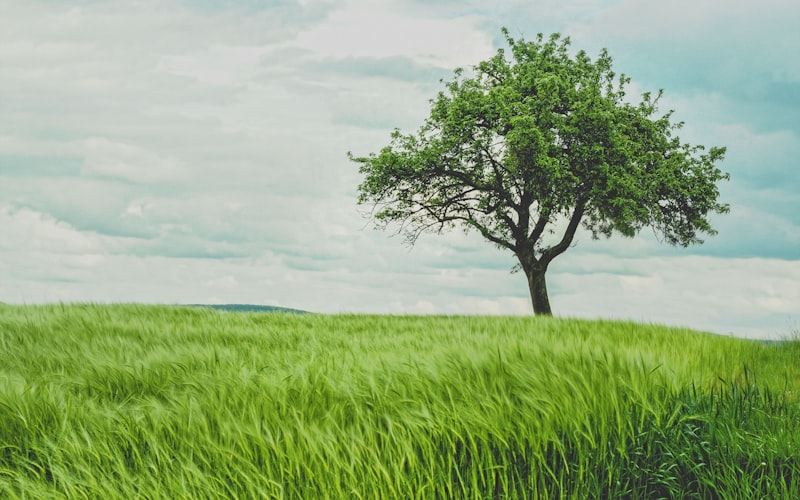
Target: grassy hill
129, 401
248, 308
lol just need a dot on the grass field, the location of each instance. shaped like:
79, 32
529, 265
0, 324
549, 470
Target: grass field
132, 401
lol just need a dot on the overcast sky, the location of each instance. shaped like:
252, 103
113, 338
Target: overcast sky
194, 151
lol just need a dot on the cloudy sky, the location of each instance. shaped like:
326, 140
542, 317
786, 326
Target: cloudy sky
194, 151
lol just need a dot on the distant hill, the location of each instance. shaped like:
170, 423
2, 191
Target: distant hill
247, 308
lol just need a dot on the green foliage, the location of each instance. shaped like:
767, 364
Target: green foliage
543, 135
160, 402
520, 144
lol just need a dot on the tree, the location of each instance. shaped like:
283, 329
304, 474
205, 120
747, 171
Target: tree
527, 149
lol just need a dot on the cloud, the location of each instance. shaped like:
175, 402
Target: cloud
753, 297
223, 282
217, 65
30, 230
117, 160
369, 30
400, 68
737, 50
749, 297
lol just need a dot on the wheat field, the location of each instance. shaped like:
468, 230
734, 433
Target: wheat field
140, 401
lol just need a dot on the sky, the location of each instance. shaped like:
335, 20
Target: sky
195, 151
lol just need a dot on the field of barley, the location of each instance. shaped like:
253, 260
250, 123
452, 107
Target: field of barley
133, 401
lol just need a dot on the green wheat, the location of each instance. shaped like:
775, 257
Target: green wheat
131, 401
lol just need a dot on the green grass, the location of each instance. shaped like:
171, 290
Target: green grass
161, 402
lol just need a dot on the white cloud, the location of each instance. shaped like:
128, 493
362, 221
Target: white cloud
749, 297
223, 282
135, 209
27, 230
107, 158
688, 22
375, 29
17, 145
217, 65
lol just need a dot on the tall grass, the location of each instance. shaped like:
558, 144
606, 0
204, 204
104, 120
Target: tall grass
157, 402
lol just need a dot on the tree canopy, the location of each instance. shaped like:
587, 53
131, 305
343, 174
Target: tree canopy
528, 146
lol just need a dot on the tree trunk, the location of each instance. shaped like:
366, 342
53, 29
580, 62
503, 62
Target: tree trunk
538, 287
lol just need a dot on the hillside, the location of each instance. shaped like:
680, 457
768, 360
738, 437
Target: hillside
247, 308
174, 402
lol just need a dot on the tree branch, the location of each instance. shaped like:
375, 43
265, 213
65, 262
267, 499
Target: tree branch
541, 224
487, 234
554, 251
498, 176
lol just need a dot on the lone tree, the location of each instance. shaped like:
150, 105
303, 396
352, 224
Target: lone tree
524, 150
